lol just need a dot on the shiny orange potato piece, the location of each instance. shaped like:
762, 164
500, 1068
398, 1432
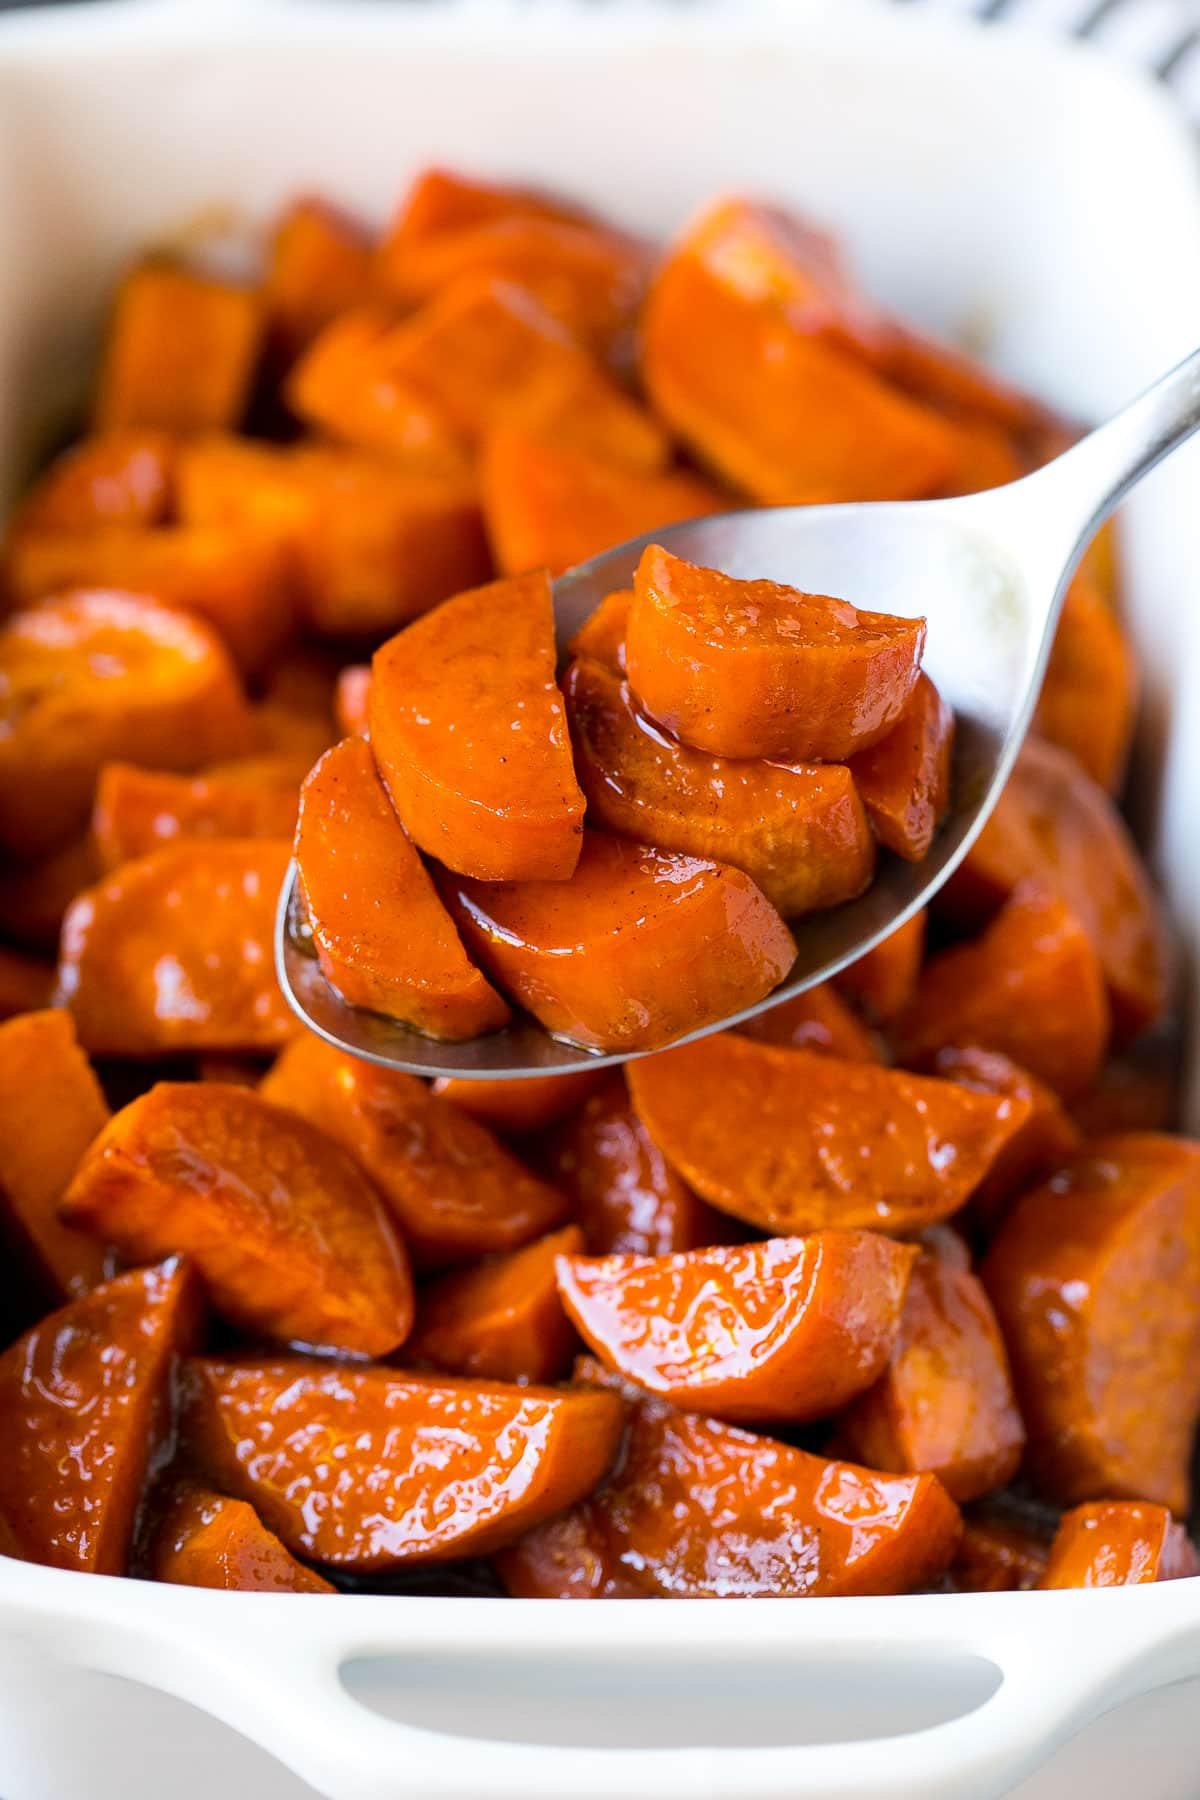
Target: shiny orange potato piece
137, 810
1095, 1279
176, 952
1089, 696
1031, 987
292, 1240
84, 1407
996, 1556
26, 983
206, 1540
318, 265
454, 1188
180, 353
753, 668
945, 1401
602, 634
382, 936
122, 477
786, 1329
1138, 1090
1048, 1137
517, 1107
904, 780
798, 830
34, 896
501, 1320
884, 981
428, 1468
834, 1143
94, 676
568, 1558
351, 699
442, 203
1118, 1543
637, 948
817, 1019
468, 729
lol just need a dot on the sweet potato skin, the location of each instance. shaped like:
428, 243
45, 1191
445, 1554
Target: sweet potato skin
1118, 1543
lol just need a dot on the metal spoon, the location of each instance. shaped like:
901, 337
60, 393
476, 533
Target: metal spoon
987, 571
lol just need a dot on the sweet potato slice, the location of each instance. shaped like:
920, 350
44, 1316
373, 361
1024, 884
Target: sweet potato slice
1031, 987
123, 477
945, 1401
904, 780
996, 1556
25, 983
602, 634
501, 1320
205, 1540
292, 1240
787, 1329
1055, 827
567, 1558
1048, 1137
798, 830
382, 936
1095, 1279
834, 1143
318, 265
1089, 696
181, 351
455, 1189
1118, 1543
443, 203
138, 810
884, 981
516, 1107
51, 1108
176, 952
817, 1019
752, 668
84, 1405
95, 676
427, 1468
1140, 1090
637, 948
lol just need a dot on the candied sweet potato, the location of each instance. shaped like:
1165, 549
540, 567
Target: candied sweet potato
319, 265
516, 1107
1095, 1278
753, 668
181, 351
84, 1405
501, 1320
637, 948
137, 810
351, 699
567, 1558
798, 830
1089, 696
904, 780
455, 1189
292, 1240
25, 983
884, 980
817, 1019
205, 1540
602, 634
1139, 1090
175, 952
468, 729
1048, 1137
997, 1555
427, 1468
382, 936
122, 477
1118, 1543
834, 1143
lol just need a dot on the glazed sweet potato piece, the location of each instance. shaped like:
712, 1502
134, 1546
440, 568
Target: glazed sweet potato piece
1054, 827
1140, 1090
1048, 1137
997, 1555
25, 983
602, 634
787, 1329
206, 1540
418, 1477
382, 936
1095, 1279
501, 1320
137, 810
517, 1107
752, 668
817, 1019
51, 1108
351, 699
551, 505
122, 477
1031, 987
456, 1191
318, 265
468, 730
567, 1558
95, 676
945, 1401
1089, 696
1118, 1543
884, 981
798, 830
176, 952
84, 1405
834, 1143
637, 948
181, 351
904, 780
292, 1240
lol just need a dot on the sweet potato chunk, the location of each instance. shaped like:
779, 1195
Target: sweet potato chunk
1140, 1090
798, 830
175, 952
996, 1556
95, 676
602, 634
501, 1320
319, 265
516, 1107
637, 948
468, 729
752, 668
1118, 1543
1031, 987
834, 1143
181, 351
426, 1468
206, 1540
786, 1329
904, 780
382, 936
291, 1238
123, 477
1048, 1137
25, 983
51, 1108
443, 203
567, 1558
457, 1192
945, 1401
817, 1019
1089, 696
84, 1404
884, 981
138, 810
1095, 1279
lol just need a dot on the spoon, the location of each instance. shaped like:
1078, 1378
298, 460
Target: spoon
988, 571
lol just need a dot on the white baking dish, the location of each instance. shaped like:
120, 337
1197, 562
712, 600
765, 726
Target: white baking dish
1038, 201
